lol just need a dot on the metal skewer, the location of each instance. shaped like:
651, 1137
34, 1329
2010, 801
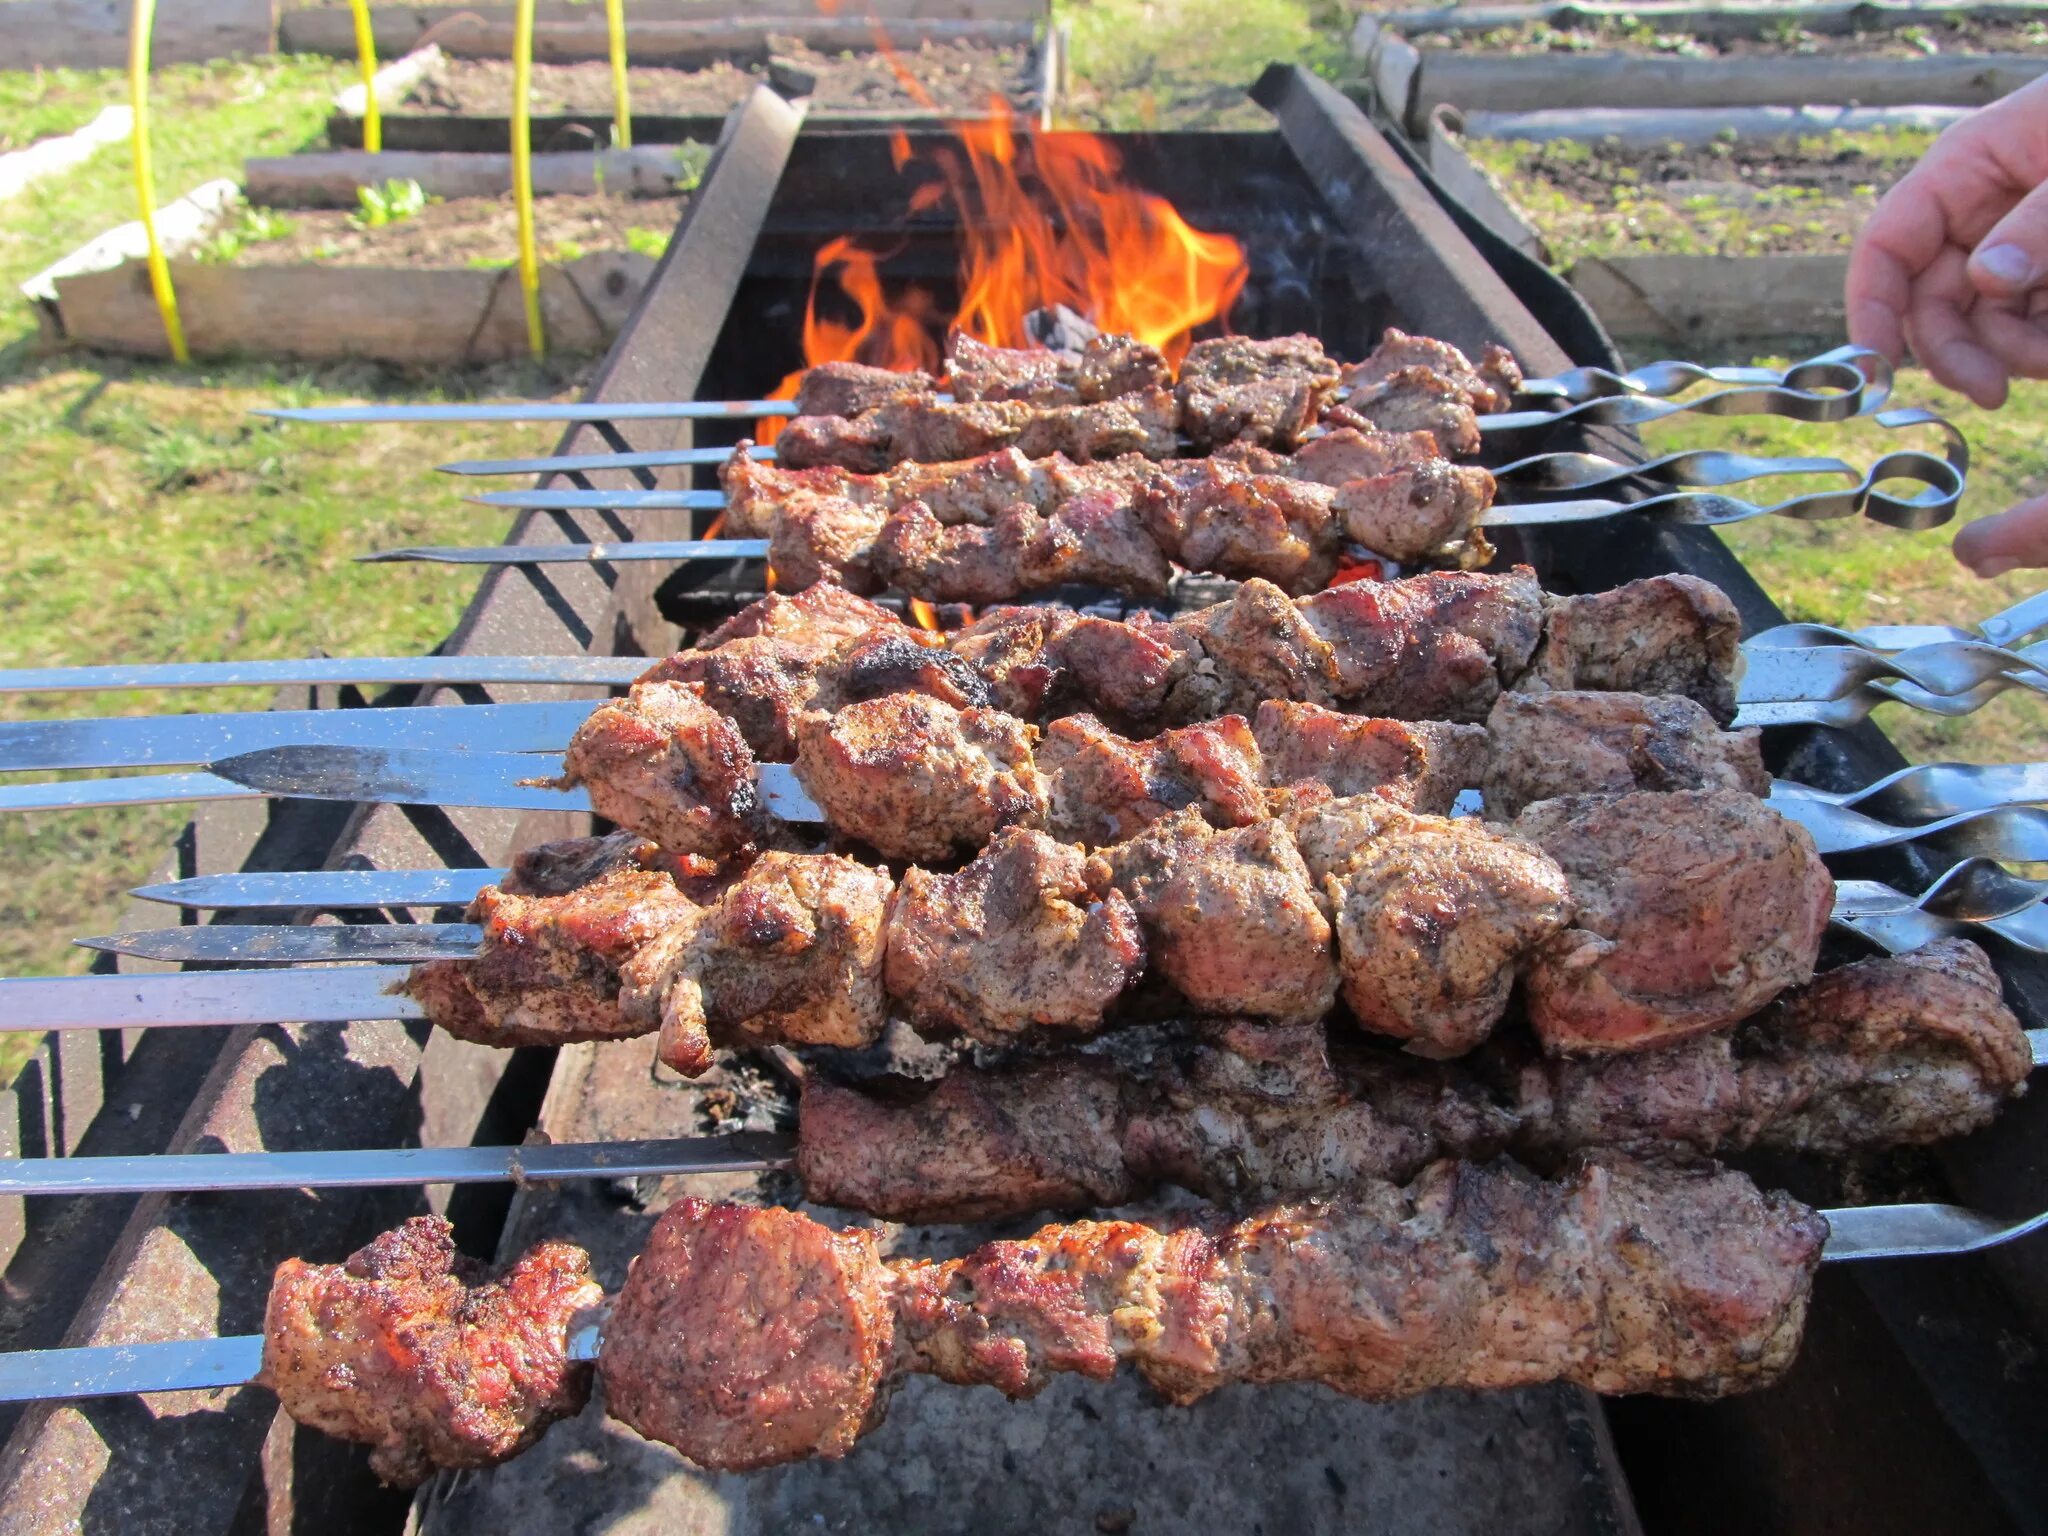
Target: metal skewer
362, 671
2007, 628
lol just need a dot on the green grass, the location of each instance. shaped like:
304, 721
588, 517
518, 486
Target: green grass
155, 519
1143, 64
1854, 573
206, 119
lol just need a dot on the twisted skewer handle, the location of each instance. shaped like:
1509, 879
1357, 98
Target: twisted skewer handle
1844, 368
1832, 387
1897, 923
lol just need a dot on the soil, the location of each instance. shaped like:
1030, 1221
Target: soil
467, 231
1642, 41
1735, 200
952, 77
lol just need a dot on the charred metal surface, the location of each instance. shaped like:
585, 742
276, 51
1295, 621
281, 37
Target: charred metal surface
220, 1462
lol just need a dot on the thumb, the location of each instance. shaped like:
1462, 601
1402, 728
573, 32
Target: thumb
1991, 546
2013, 259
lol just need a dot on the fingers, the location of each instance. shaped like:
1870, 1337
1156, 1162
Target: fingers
1903, 235
2012, 259
1939, 326
1991, 546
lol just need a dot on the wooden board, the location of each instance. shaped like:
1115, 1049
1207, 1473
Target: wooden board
332, 178
1682, 301
93, 34
569, 34
396, 315
1525, 83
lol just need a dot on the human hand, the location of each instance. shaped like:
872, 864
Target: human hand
1954, 262
1991, 546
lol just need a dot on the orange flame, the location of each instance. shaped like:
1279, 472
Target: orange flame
925, 615
1045, 219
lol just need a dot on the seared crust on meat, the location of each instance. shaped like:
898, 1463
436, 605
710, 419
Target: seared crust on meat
1551, 744
1211, 516
1420, 512
407, 1348
1663, 634
1695, 909
1416, 398
848, 389
1256, 646
1017, 943
747, 1337
917, 779
760, 682
1897, 1050
1233, 389
1104, 368
1231, 919
1439, 646
1104, 788
1422, 766
548, 970
1489, 386
663, 763
821, 618
1433, 918
791, 952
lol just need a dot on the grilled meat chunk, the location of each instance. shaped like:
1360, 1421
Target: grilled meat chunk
1231, 919
916, 779
822, 618
1256, 646
1211, 516
902, 660
792, 951
1489, 386
977, 1145
849, 389
928, 431
1434, 647
549, 969
1901, 1049
1695, 909
1104, 368
747, 1337
1663, 634
1233, 389
1099, 540
1421, 512
1019, 942
1433, 917
1551, 744
570, 863
1413, 399
407, 1348
1337, 457
1419, 766
1103, 788
663, 763
759, 682
826, 538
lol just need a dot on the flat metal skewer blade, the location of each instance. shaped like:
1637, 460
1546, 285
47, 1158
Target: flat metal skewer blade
117, 1370
142, 741
424, 776
133, 789
1918, 1231
532, 410
585, 463
291, 944
331, 889
602, 501
367, 671
338, 995
574, 554
740, 1152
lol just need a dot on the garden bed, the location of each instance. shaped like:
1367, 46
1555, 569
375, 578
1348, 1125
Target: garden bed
434, 285
1640, 37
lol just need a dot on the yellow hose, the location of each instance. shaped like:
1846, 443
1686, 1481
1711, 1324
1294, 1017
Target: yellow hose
140, 25
522, 171
366, 51
622, 106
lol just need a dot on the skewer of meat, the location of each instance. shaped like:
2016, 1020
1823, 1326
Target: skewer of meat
1631, 921
746, 1337
1896, 1051
1003, 525
1117, 397
1442, 646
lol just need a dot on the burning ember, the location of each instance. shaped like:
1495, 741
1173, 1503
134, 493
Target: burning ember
1047, 222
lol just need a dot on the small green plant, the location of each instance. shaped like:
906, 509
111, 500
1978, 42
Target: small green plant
1920, 38
566, 250
252, 226
392, 203
648, 242
689, 164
